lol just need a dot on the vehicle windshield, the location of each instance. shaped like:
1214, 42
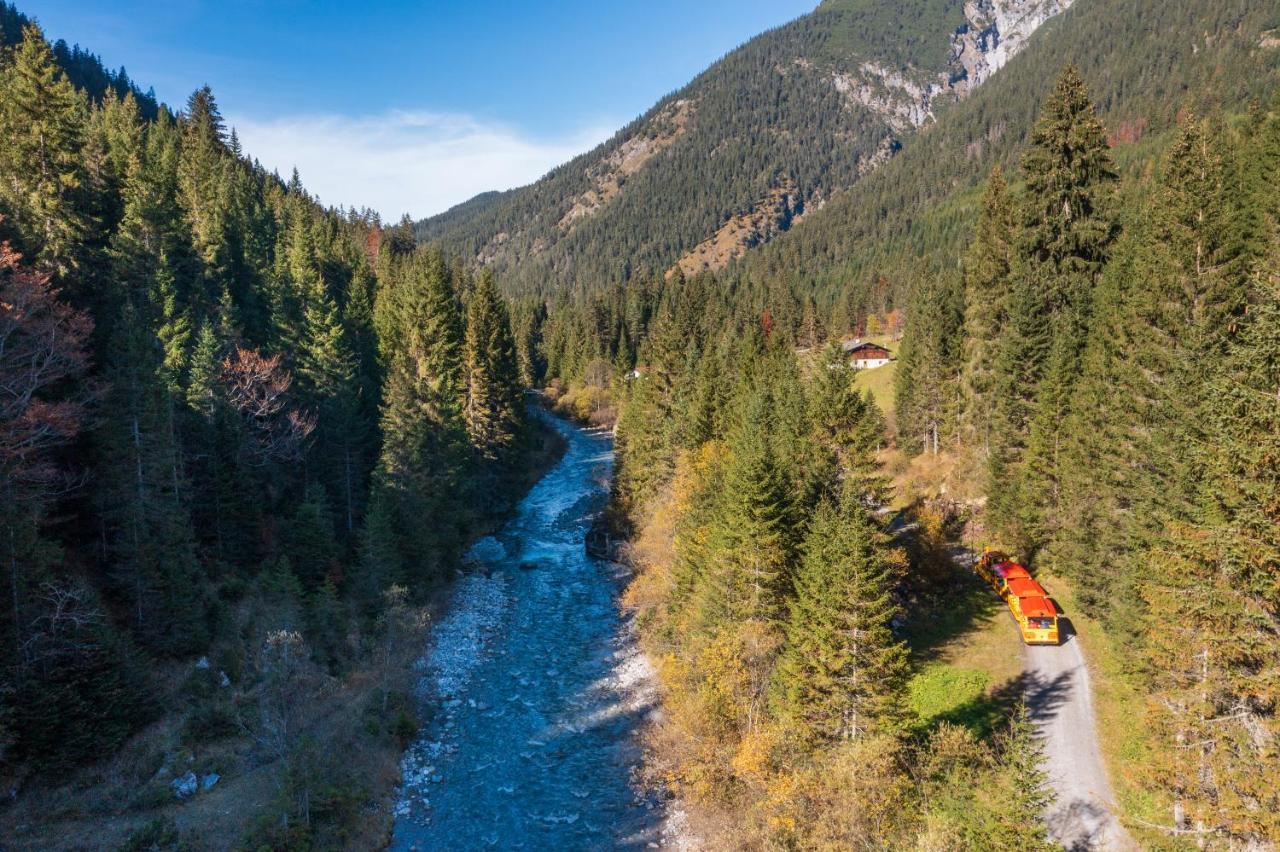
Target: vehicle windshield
1041, 623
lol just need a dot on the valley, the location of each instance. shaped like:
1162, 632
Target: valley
631, 505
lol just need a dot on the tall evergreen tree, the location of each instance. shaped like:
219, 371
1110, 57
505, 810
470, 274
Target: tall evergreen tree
752, 530
423, 431
494, 412
1213, 638
42, 122
928, 398
1068, 226
1172, 293
988, 267
843, 672
848, 427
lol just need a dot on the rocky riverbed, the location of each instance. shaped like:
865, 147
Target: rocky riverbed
533, 688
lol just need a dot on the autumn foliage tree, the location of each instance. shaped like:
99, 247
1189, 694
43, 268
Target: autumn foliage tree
42, 407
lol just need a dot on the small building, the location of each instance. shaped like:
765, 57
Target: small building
865, 355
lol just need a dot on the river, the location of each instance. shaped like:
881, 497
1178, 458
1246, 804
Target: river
533, 687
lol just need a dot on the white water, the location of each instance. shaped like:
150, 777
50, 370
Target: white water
534, 688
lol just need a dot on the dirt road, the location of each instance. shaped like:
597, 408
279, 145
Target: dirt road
1060, 699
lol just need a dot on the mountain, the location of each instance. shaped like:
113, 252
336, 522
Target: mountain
84, 69
758, 142
1205, 57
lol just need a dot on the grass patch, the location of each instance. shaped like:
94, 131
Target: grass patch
942, 693
880, 382
968, 659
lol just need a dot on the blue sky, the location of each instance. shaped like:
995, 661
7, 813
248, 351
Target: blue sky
415, 106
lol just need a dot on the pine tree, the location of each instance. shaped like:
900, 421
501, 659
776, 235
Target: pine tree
152, 548
847, 426
1172, 292
144, 487
309, 542
380, 567
203, 185
1068, 216
1068, 226
423, 432
1019, 360
327, 369
42, 120
494, 413
843, 672
1009, 812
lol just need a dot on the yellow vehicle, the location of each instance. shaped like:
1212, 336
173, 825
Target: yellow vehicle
1036, 614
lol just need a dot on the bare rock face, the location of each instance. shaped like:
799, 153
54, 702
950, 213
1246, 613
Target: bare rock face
995, 31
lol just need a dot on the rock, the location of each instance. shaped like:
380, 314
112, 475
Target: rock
202, 663
185, 786
209, 780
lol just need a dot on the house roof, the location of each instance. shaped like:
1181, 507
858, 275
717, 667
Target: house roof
852, 346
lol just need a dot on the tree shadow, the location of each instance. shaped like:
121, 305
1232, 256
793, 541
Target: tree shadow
936, 620
1044, 696
991, 711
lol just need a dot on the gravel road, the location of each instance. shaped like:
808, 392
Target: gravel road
1060, 699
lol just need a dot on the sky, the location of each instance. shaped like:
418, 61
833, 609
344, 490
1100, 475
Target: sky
412, 107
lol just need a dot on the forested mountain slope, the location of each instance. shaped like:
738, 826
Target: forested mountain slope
84, 70
1203, 56
224, 412
761, 139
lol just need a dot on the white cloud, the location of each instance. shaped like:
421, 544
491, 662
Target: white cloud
419, 163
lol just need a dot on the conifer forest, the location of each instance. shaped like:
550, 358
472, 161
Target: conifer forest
871, 446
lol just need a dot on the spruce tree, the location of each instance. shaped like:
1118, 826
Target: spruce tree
494, 411
151, 544
42, 122
847, 427
752, 531
1067, 228
928, 397
988, 267
1213, 646
1172, 293
843, 672
423, 433
1009, 814
309, 541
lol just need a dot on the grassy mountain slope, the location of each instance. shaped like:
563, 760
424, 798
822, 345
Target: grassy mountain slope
756, 142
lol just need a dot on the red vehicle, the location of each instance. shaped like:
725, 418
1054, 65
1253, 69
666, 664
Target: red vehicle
1036, 614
